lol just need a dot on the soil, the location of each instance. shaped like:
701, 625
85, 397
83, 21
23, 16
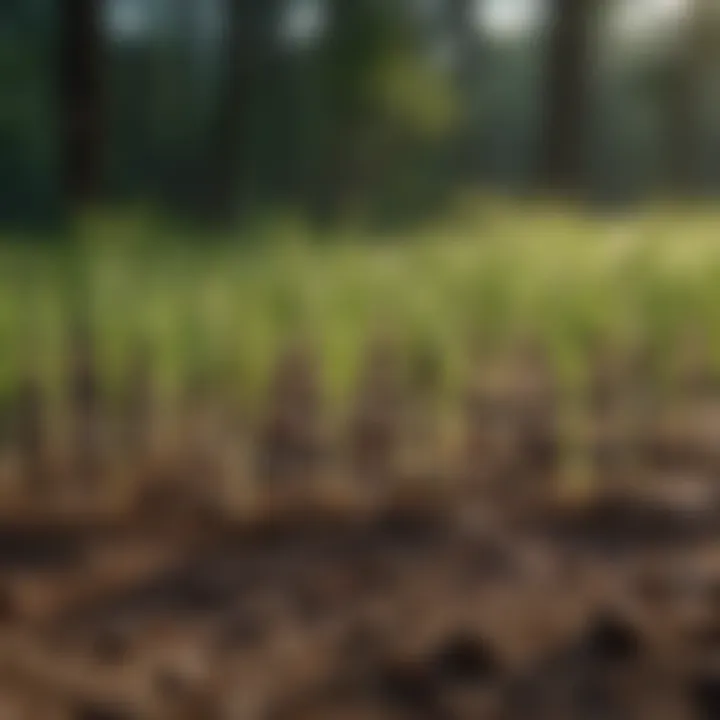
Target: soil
443, 610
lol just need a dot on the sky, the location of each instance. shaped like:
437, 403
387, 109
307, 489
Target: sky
126, 17
502, 17
510, 17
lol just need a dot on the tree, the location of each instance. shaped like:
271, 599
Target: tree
81, 101
28, 101
464, 41
251, 36
386, 106
563, 134
691, 81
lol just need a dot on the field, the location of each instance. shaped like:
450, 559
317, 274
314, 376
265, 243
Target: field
466, 473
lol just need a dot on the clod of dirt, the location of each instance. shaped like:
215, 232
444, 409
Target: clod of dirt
705, 696
183, 692
408, 686
44, 549
365, 638
110, 647
9, 610
170, 685
241, 632
410, 527
310, 606
714, 593
92, 711
176, 503
706, 637
464, 659
611, 639
654, 589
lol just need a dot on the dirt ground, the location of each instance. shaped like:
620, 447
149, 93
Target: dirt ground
309, 584
424, 610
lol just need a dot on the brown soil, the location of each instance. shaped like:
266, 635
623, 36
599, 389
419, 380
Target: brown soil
214, 568
610, 610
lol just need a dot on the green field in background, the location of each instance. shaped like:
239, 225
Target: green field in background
490, 274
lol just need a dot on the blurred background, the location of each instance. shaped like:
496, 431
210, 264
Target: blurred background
221, 111
207, 183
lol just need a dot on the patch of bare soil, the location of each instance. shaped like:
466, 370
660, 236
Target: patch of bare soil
606, 611
213, 568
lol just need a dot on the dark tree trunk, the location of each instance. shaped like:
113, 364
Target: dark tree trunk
81, 101
343, 58
683, 130
462, 31
563, 136
230, 115
248, 42
691, 80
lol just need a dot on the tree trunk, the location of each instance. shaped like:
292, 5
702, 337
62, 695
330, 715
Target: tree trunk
81, 101
464, 37
691, 80
249, 41
563, 135
345, 54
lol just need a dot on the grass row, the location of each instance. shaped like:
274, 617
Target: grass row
478, 281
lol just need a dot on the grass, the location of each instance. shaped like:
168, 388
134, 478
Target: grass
483, 278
